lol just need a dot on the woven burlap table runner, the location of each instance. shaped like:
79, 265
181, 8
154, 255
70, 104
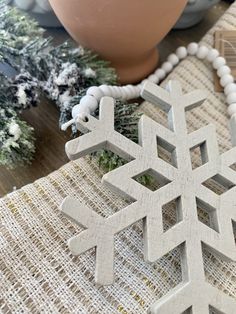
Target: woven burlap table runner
37, 272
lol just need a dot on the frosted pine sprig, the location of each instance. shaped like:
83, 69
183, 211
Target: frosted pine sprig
61, 73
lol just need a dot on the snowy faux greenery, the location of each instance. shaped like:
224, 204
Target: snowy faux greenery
61, 73
16, 139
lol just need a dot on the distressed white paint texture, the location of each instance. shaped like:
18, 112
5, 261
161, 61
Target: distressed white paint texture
177, 180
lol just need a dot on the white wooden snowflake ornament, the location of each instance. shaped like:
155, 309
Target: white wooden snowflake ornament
178, 180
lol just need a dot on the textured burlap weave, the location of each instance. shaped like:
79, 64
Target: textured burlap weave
37, 272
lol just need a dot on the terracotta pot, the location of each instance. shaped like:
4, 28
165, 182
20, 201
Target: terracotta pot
124, 32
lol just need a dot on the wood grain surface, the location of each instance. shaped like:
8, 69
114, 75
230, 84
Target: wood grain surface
50, 144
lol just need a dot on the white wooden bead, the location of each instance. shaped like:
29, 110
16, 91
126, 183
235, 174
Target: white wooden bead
106, 90
95, 92
153, 78
232, 109
121, 91
160, 73
231, 98
116, 91
212, 55
218, 62
173, 59
144, 82
132, 91
167, 67
90, 102
139, 88
83, 116
123, 94
230, 88
202, 52
126, 91
84, 109
181, 52
226, 79
77, 110
137, 91
192, 49
112, 92
223, 70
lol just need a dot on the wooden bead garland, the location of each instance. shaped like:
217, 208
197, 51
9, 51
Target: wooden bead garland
90, 101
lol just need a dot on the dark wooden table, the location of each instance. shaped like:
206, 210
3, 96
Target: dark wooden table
50, 154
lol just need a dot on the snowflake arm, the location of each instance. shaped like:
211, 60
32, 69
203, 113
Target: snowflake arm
101, 135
